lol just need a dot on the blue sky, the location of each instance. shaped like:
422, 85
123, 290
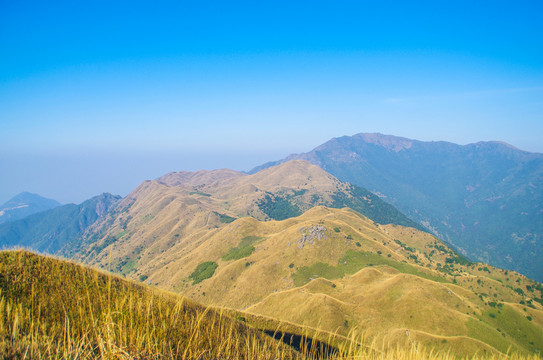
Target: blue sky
97, 97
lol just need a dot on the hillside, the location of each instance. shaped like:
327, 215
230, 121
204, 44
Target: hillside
485, 198
161, 218
52, 230
23, 205
54, 309
337, 271
272, 247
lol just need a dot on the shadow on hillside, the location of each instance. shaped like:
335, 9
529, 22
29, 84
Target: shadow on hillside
319, 349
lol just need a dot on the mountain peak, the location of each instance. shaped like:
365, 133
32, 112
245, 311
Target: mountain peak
294, 173
24, 204
196, 178
389, 142
450, 189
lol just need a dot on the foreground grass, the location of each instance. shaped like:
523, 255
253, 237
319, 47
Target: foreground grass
53, 309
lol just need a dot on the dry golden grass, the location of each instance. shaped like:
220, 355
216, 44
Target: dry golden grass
51, 309
54, 309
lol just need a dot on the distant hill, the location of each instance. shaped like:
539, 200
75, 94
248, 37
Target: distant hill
51, 230
484, 198
161, 216
24, 204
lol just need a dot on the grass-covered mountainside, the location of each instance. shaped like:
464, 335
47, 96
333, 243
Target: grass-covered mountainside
23, 205
156, 222
208, 236
485, 198
54, 309
52, 230
337, 271
280, 251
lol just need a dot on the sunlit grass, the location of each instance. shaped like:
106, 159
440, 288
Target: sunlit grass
52, 309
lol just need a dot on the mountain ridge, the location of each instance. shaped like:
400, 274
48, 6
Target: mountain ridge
51, 230
167, 214
296, 244
485, 198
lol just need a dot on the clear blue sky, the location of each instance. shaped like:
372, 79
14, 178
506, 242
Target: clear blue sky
98, 96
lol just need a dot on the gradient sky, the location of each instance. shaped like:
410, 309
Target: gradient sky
99, 96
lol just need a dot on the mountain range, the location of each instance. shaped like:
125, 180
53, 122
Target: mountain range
280, 244
156, 223
486, 199
292, 244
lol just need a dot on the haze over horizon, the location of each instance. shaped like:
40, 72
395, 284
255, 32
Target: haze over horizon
99, 97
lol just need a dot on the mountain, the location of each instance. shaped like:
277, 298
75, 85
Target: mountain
51, 230
484, 198
281, 245
24, 204
161, 217
337, 271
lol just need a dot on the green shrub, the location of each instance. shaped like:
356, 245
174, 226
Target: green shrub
225, 219
203, 271
279, 207
244, 248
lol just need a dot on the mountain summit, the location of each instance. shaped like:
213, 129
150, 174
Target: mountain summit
24, 204
484, 198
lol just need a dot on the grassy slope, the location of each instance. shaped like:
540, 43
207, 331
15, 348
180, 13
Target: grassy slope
381, 279
167, 228
153, 225
56, 309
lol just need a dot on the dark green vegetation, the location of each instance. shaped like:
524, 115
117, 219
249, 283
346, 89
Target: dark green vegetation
279, 207
286, 205
52, 309
371, 206
244, 249
352, 262
484, 198
54, 230
23, 205
203, 271
225, 219
199, 193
